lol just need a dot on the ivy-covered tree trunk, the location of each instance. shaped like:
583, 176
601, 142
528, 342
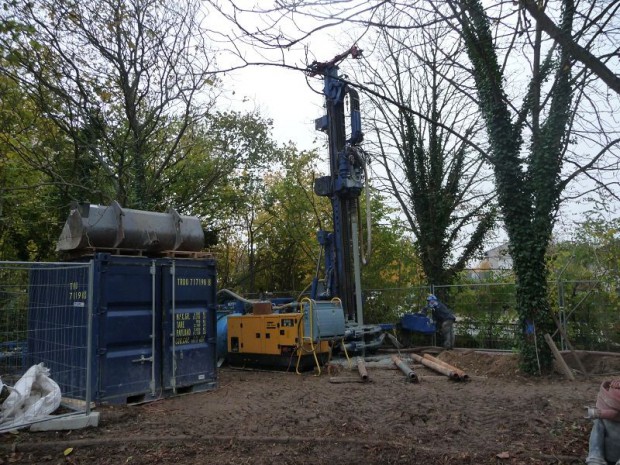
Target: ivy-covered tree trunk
527, 181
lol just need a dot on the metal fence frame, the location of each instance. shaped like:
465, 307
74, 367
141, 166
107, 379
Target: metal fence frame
487, 318
23, 319
486, 311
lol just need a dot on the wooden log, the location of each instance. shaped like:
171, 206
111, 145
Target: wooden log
569, 345
361, 368
347, 379
435, 366
593, 352
558, 358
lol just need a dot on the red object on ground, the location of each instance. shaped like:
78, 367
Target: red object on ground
608, 400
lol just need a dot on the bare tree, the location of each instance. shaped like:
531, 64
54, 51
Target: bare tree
122, 79
598, 17
286, 24
437, 179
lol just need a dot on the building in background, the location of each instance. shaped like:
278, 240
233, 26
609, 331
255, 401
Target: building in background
495, 260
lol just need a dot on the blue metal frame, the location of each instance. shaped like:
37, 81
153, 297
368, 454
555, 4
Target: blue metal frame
343, 186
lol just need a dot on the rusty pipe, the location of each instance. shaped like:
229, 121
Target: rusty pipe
435, 366
460, 373
411, 375
361, 368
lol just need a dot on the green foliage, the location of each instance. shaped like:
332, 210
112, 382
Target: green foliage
29, 203
122, 84
585, 283
392, 268
287, 244
226, 155
393, 261
529, 187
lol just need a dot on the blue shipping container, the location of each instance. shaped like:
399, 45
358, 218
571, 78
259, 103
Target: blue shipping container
153, 329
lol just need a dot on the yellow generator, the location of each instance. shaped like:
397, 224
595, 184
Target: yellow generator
299, 340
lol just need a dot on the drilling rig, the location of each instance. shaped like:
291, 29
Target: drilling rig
342, 248
304, 333
343, 187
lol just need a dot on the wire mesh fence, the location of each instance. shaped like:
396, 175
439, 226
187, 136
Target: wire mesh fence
45, 312
487, 318
486, 314
46, 316
589, 311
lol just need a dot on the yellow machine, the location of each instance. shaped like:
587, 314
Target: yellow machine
285, 340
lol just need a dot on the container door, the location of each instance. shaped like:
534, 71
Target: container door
189, 327
128, 327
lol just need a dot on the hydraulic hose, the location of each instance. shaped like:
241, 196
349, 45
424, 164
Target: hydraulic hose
366, 254
236, 296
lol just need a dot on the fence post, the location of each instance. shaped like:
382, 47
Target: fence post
561, 313
174, 319
89, 335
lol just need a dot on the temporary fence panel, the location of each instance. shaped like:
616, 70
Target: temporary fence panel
45, 317
393, 303
58, 323
589, 313
486, 313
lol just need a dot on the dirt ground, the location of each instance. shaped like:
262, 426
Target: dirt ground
262, 417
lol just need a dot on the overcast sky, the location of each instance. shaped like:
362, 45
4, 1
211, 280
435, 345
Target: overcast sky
282, 95
285, 96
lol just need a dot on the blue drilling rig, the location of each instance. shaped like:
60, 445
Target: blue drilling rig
303, 333
342, 248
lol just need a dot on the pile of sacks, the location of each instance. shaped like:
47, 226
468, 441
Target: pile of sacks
605, 436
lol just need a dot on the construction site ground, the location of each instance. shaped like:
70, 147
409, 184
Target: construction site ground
499, 416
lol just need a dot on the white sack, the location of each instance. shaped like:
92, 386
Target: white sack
33, 397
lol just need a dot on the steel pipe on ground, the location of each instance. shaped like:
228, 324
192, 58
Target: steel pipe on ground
411, 375
361, 368
460, 373
450, 373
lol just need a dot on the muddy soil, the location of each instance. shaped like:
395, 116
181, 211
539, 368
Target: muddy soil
498, 416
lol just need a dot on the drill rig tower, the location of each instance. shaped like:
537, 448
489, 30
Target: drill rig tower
343, 186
